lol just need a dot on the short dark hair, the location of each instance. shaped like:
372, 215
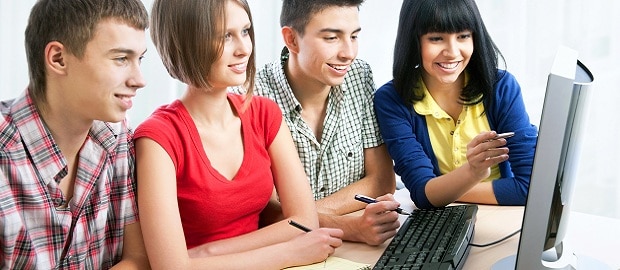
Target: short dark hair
72, 23
297, 13
419, 17
188, 35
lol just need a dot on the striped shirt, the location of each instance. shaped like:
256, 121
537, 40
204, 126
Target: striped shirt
36, 226
350, 125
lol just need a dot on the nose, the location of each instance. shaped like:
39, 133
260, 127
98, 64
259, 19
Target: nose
348, 49
452, 48
136, 80
244, 46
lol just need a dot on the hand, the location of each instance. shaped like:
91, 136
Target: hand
378, 222
483, 152
316, 245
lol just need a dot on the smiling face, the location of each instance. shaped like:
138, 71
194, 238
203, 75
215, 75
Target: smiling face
329, 45
230, 68
100, 84
445, 56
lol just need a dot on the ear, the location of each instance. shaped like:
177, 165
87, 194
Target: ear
54, 57
290, 39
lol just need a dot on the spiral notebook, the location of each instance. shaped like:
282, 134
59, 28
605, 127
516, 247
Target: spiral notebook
333, 263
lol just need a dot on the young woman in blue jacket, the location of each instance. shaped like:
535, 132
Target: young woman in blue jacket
446, 103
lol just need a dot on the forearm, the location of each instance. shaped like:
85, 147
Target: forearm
275, 256
273, 234
448, 188
347, 223
481, 193
342, 202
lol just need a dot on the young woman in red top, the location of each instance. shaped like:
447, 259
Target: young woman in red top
208, 162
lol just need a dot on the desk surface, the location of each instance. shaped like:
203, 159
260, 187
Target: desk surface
590, 235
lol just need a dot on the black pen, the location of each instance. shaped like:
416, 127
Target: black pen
299, 226
367, 199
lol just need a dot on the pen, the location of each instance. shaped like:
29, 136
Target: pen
299, 226
367, 199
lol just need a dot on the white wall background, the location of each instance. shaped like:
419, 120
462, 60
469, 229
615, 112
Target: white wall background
528, 32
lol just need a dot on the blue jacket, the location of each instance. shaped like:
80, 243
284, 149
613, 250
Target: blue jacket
406, 135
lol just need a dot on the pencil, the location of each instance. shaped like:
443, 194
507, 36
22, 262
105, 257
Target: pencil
299, 226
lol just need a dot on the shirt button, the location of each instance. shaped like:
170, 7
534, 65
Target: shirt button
58, 201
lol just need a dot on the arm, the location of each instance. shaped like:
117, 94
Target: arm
134, 253
509, 114
463, 183
406, 137
165, 241
377, 223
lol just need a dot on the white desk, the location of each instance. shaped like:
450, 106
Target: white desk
590, 235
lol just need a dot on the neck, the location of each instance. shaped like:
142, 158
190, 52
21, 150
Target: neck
308, 91
208, 106
67, 128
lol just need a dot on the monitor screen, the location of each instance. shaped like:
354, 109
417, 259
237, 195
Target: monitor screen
561, 130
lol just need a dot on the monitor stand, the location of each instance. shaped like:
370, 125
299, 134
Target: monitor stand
550, 261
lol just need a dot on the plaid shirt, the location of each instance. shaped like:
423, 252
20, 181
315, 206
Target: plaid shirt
34, 228
350, 125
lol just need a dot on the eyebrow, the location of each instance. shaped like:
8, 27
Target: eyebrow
125, 51
337, 31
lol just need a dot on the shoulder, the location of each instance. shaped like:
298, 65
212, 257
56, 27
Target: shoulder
9, 134
269, 77
165, 117
387, 90
263, 106
359, 70
506, 87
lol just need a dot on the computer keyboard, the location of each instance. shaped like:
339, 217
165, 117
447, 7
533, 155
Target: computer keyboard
431, 239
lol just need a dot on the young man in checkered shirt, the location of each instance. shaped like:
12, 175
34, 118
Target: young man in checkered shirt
326, 97
66, 158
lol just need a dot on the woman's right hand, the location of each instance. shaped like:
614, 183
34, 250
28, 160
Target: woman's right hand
316, 245
483, 152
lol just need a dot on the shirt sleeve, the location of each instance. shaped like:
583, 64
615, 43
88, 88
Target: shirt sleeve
398, 125
509, 114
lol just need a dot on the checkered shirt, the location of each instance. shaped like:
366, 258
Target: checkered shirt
350, 125
34, 228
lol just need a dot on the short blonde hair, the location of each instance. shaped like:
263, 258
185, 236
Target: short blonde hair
188, 35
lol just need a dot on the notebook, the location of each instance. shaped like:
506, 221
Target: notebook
333, 263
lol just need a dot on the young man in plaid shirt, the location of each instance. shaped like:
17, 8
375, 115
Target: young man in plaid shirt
66, 158
326, 97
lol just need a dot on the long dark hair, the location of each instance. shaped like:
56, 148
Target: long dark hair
419, 17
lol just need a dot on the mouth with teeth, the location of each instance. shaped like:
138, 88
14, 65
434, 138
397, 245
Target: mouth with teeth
339, 68
126, 102
239, 68
451, 65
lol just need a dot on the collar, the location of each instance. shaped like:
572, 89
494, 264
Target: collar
292, 105
40, 145
428, 106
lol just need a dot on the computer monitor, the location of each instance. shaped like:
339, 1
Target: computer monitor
558, 150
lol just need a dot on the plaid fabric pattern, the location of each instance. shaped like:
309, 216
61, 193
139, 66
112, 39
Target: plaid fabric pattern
350, 125
34, 228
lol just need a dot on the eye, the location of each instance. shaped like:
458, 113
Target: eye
121, 60
354, 37
245, 31
465, 36
227, 36
434, 38
330, 38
